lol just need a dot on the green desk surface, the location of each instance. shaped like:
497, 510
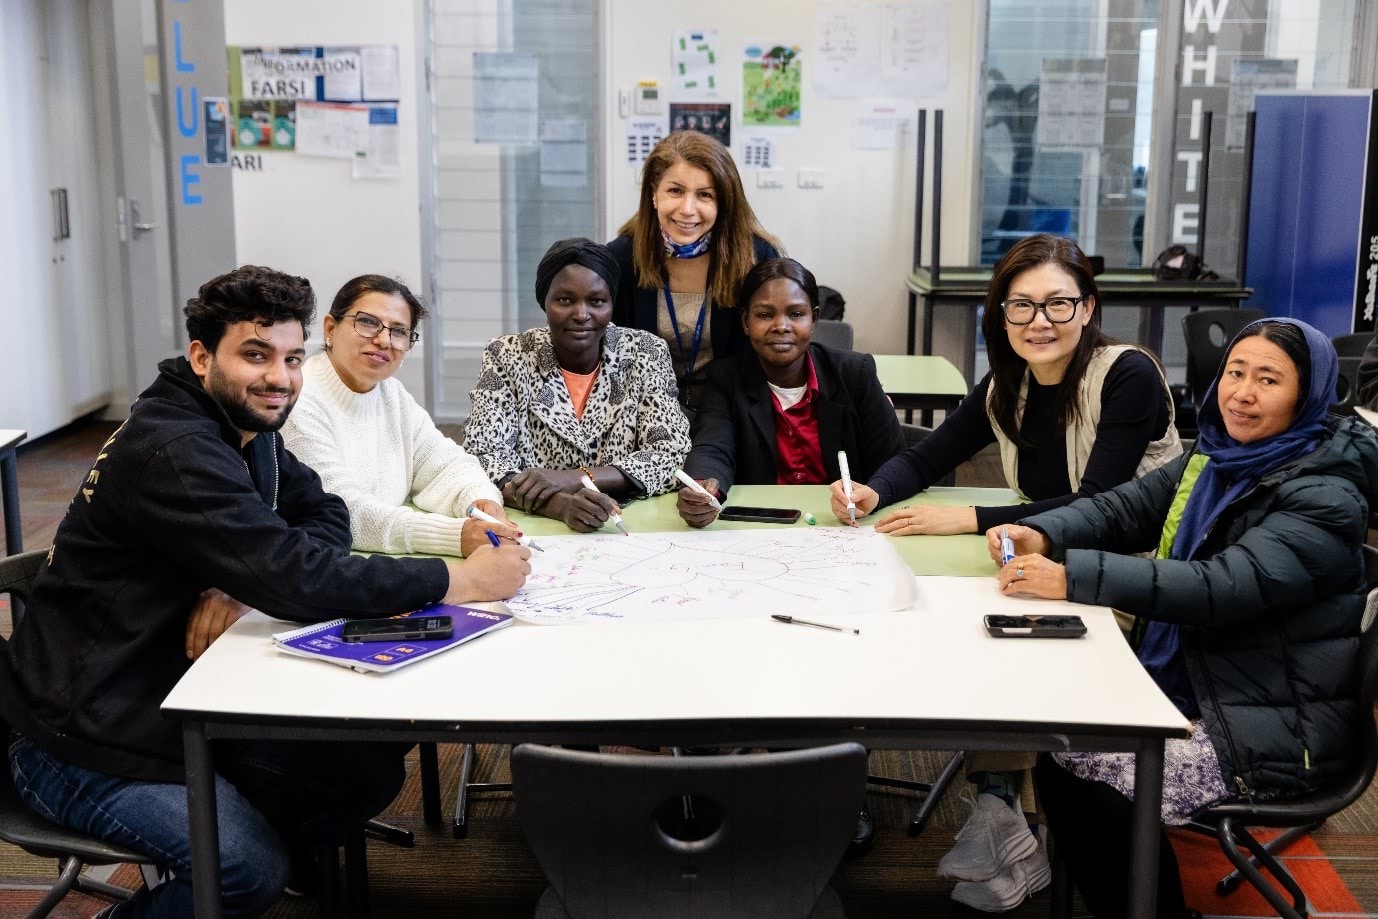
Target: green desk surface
958, 556
972, 280
919, 374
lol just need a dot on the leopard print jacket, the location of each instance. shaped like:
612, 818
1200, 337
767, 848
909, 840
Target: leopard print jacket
522, 415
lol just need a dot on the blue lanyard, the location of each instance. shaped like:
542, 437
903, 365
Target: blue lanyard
679, 342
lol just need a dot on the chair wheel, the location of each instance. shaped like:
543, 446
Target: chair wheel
461, 830
1227, 885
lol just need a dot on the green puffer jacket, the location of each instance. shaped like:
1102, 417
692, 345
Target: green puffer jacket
1269, 606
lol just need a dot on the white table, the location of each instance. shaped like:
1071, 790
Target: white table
759, 683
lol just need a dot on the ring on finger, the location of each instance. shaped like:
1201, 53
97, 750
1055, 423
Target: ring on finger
1019, 573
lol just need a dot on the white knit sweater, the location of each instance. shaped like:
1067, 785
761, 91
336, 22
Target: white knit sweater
381, 452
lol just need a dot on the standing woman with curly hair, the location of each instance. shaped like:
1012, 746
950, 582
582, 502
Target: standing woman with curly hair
684, 253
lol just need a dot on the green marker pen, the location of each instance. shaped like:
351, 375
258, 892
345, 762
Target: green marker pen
810, 519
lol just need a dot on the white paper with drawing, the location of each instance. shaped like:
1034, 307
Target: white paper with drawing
661, 577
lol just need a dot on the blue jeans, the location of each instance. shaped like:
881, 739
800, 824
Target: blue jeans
269, 797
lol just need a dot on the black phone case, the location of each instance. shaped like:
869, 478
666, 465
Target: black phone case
1036, 630
753, 518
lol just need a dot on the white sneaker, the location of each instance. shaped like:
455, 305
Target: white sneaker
1011, 886
994, 837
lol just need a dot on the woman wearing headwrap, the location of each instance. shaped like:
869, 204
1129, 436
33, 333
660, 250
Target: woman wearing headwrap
1249, 616
408, 486
579, 394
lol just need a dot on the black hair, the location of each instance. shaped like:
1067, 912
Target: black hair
377, 284
1006, 367
249, 293
772, 269
1291, 340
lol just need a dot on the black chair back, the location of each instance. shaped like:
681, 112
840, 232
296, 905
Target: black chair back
610, 830
1208, 333
833, 333
1350, 349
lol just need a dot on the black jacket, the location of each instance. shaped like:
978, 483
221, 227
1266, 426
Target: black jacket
636, 306
171, 507
734, 431
1269, 606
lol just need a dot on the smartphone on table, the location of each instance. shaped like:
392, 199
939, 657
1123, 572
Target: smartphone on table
1035, 626
759, 514
422, 628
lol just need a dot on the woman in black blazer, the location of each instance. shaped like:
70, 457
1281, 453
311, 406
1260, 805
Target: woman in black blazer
780, 413
684, 253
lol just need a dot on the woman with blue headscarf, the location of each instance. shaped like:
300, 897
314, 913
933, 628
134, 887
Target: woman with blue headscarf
1248, 615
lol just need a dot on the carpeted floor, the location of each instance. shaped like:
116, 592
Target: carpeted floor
492, 874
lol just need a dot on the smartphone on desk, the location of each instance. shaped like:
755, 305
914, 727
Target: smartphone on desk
759, 514
423, 628
1035, 626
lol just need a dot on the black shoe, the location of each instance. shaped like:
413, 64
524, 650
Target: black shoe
864, 837
303, 879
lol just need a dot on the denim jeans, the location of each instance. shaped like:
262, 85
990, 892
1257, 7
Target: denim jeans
270, 795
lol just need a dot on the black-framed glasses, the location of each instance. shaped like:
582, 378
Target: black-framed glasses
368, 326
1057, 309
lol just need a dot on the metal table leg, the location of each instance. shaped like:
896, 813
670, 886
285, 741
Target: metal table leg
1148, 801
205, 828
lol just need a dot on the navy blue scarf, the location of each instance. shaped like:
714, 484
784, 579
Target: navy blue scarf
1234, 468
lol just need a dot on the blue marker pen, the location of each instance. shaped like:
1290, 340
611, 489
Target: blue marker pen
493, 538
1006, 547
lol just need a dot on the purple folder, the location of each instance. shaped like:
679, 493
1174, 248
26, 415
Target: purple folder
324, 641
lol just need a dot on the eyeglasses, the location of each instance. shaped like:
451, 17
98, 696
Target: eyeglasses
1057, 309
368, 326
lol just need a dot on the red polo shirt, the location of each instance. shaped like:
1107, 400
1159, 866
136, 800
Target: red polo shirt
797, 447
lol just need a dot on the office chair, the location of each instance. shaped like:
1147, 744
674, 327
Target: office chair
1208, 333
1231, 822
834, 333
767, 831
35, 834
1350, 349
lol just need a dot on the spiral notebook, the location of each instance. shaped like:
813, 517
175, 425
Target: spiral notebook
324, 641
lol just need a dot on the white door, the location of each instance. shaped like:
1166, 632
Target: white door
144, 316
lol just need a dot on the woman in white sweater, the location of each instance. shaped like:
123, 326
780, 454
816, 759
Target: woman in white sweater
408, 486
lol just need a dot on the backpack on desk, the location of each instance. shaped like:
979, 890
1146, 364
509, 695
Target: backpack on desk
1175, 263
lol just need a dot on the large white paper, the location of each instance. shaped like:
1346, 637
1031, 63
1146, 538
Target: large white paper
1071, 104
662, 577
694, 61
1248, 78
383, 157
330, 129
381, 78
505, 97
876, 123
343, 80
890, 49
564, 153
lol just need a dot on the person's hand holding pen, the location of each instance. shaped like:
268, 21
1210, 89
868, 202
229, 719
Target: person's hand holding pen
1023, 541
471, 536
865, 498
586, 510
697, 506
